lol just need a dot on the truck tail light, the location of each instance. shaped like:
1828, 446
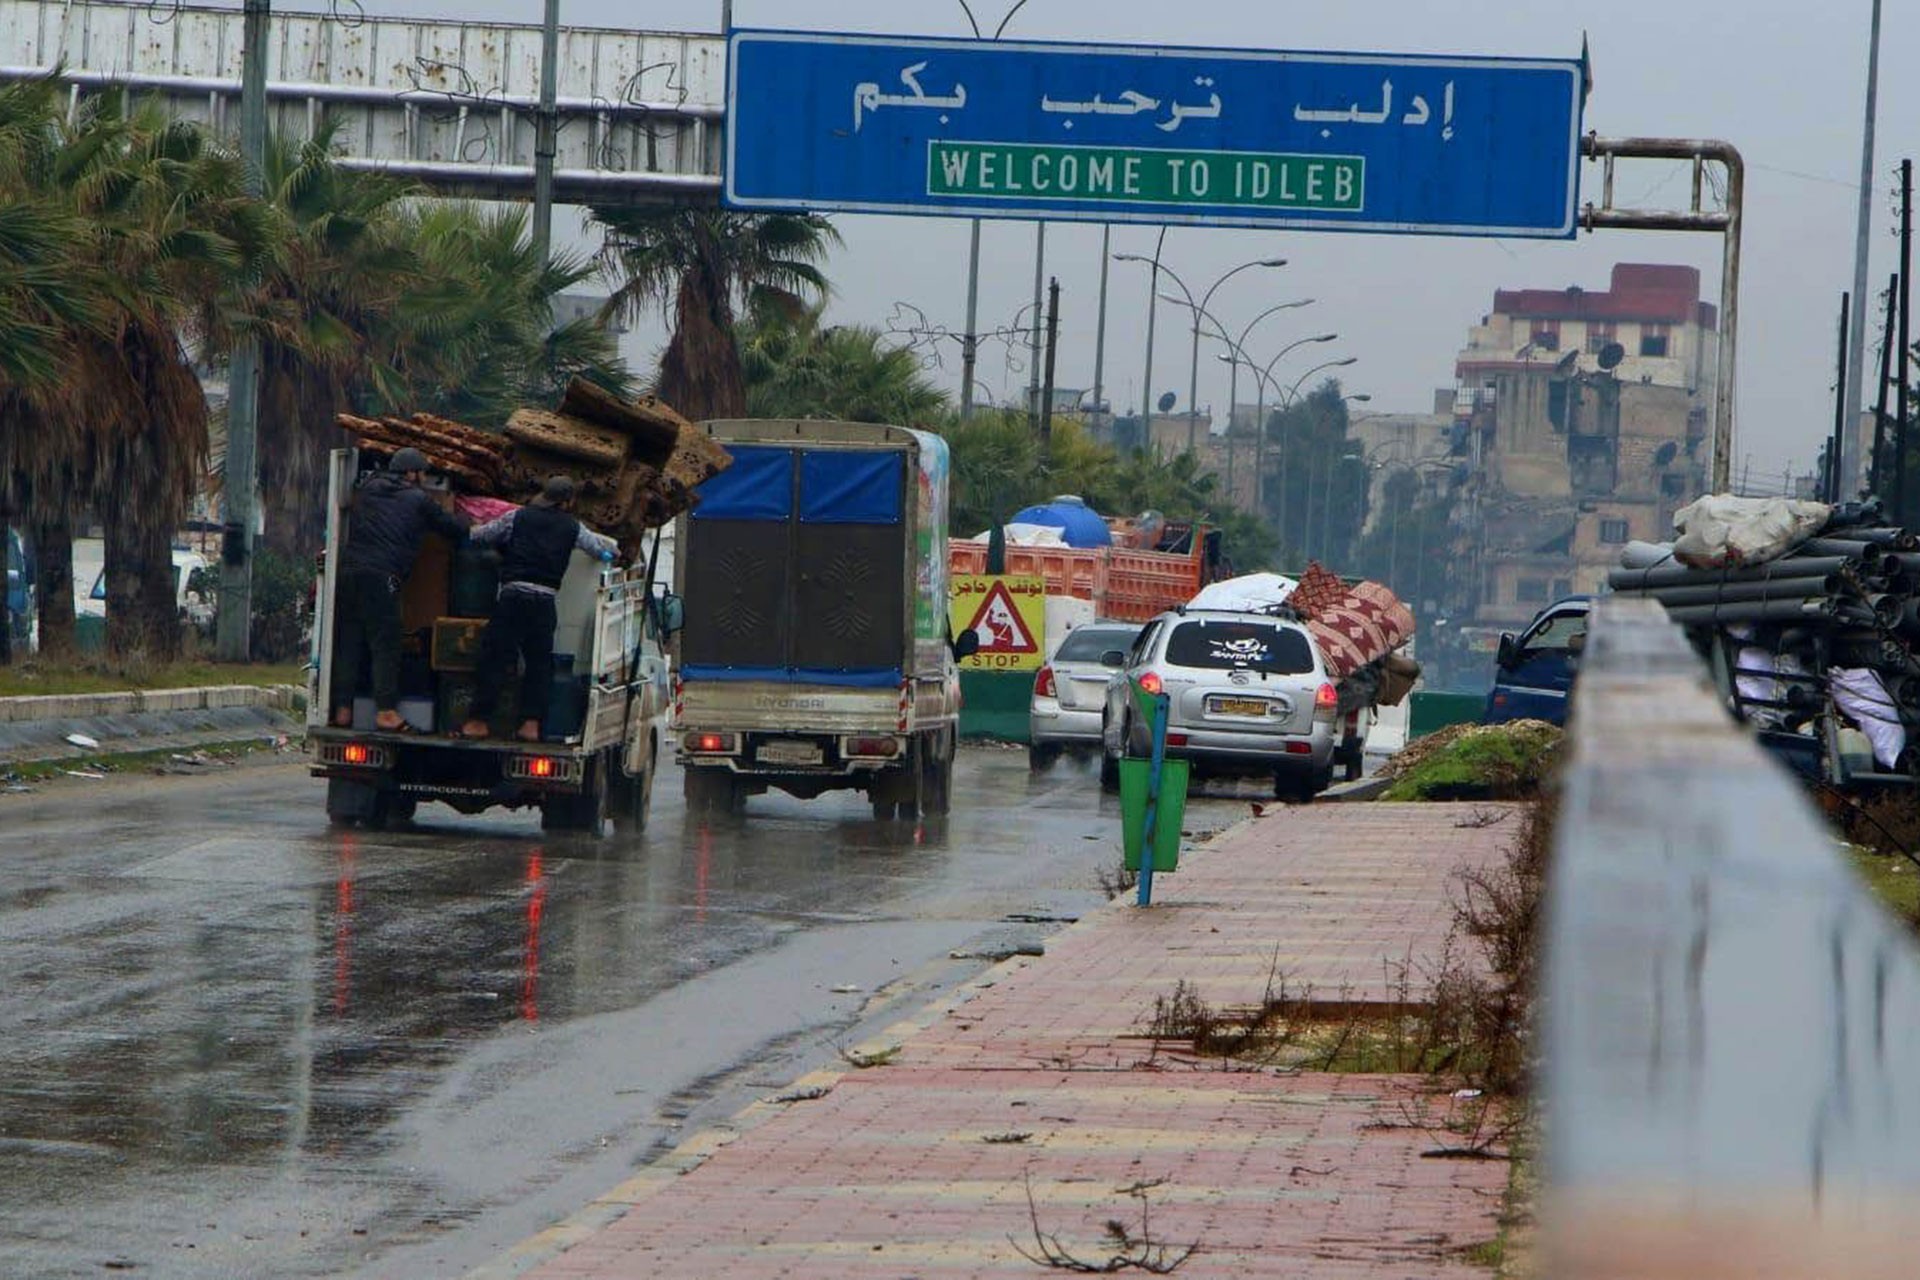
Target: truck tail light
711, 744
356, 755
1176, 739
1151, 684
1043, 686
532, 768
884, 748
1326, 699
1299, 748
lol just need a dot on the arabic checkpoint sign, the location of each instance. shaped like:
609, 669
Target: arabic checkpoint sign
1108, 133
1009, 614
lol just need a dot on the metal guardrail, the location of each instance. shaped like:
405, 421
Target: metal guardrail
1731, 1023
448, 104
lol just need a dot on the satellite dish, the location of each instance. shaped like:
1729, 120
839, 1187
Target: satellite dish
1611, 355
1566, 362
1666, 453
1166, 402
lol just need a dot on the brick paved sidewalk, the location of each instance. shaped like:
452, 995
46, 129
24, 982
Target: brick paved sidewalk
1039, 1083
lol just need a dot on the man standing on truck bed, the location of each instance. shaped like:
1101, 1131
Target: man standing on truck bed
391, 513
538, 539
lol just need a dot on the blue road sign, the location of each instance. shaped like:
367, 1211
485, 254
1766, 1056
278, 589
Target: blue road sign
1106, 133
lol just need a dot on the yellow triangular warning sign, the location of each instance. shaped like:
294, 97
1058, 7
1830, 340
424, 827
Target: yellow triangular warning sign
999, 625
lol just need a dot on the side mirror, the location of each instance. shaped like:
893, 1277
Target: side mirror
1114, 658
1509, 650
966, 644
673, 615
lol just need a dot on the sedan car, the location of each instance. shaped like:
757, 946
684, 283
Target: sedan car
1248, 696
1070, 692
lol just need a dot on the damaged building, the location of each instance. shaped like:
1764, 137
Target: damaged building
1582, 417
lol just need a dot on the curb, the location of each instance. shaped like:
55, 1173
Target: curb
84, 706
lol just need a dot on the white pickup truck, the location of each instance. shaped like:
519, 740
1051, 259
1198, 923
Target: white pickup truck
597, 760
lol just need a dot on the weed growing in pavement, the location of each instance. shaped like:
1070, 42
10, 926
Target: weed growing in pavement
1447, 1017
1126, 1251
1118, 880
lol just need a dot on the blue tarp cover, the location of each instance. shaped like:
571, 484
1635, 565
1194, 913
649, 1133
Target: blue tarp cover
838, 487
758, 486
1079, 525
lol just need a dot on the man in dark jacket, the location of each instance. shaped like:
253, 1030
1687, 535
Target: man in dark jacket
390, 515
536, 541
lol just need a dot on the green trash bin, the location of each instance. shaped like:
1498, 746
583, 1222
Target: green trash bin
1168, 818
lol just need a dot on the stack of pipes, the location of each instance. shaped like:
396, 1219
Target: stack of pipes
1845, 600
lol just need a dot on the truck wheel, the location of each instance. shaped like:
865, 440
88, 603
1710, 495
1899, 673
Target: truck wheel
400, 809
349, 802
936, 782
1292, 787
1352, 758
631, 800
1042, 755
711, 791
584, 812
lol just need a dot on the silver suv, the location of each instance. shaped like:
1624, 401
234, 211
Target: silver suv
1248, 696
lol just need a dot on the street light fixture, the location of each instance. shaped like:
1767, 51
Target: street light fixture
1198, 308
1264, 376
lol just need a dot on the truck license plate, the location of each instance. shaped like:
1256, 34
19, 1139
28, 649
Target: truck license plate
790, 752
1239, 706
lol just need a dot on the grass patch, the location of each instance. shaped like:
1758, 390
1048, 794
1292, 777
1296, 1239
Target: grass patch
132, 763
1476, 762
33, 679
1893, 879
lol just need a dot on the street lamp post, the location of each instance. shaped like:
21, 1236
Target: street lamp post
1198, 308
1265, 376
1237, 350
1293, 396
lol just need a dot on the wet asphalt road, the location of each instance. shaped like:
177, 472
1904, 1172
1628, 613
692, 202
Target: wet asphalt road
234, 1042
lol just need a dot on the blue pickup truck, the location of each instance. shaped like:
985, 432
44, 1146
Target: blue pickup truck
1533, 678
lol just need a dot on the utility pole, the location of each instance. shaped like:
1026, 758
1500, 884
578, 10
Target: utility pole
1877, 475
1046, 391
1036, 354
1854, 397
1146, 378
1905, 349
241, 480
1833, 483
1100, 325
546, 133
970, 341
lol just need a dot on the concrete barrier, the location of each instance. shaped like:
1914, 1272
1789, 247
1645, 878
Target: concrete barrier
1731, 1023
75, 706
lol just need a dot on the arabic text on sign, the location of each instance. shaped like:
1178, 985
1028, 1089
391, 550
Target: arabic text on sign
1269, 180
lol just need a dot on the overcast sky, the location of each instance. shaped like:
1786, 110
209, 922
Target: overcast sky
1785, 87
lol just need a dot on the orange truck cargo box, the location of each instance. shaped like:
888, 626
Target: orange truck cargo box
1123, 585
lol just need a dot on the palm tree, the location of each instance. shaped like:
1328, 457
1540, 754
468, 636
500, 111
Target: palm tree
338, 268
163, 229
797, 369
702, 267
48, 294
474, 338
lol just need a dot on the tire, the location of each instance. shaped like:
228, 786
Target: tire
1041, 756
400, 809
936, 785
585, 812
1109, 765
631, 798
702, 788
1293, 787
349, 802
1351, 758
